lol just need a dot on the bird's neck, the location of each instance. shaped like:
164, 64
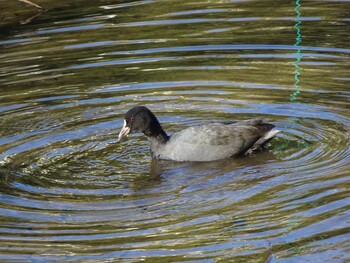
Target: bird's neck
156, 133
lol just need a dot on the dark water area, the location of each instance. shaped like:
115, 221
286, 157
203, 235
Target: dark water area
70, 193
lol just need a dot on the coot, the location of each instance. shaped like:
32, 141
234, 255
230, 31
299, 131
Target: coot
207, 142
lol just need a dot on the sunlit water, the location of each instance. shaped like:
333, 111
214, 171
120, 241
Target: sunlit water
70, 192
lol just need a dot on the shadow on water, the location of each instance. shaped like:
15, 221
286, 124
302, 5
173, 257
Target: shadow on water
160, 169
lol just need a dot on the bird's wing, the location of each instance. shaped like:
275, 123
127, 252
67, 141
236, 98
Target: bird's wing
217, 134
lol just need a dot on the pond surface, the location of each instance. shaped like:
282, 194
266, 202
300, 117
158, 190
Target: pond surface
71, 193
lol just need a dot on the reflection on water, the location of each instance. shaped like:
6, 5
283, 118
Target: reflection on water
297, 61
69, 191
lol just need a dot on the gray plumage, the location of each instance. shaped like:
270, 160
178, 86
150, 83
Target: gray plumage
200, 143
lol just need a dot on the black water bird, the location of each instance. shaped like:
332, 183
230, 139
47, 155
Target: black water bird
207, 142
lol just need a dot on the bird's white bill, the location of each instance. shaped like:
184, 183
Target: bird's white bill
124, 132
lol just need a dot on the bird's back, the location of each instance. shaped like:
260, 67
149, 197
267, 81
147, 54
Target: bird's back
213, 141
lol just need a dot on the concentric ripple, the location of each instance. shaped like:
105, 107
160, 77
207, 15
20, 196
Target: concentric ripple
71, 192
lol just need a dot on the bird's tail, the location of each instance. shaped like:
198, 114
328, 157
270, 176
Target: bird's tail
262, 142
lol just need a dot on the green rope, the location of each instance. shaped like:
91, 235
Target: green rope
298, 69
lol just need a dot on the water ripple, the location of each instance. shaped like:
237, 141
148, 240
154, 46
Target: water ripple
230, 47
71, 192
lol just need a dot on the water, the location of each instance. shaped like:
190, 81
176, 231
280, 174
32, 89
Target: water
70, 192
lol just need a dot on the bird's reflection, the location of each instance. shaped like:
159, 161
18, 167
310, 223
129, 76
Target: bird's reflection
160, 170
